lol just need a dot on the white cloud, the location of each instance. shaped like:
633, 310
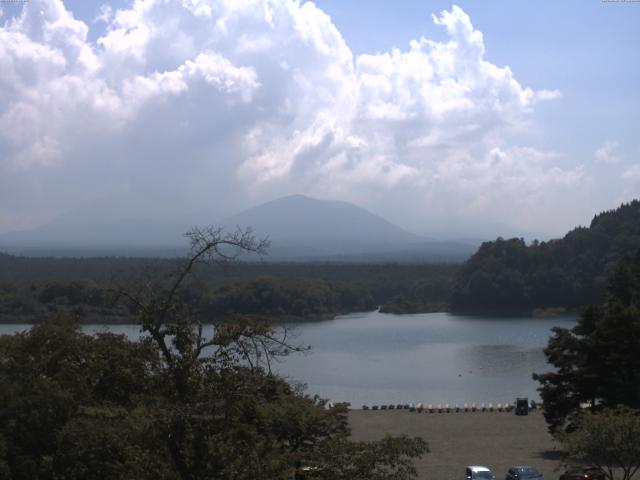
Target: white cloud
608, 152
200, 102
543, 95
105, 14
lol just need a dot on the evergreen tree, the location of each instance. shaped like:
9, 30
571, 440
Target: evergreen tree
509, 275
598, 361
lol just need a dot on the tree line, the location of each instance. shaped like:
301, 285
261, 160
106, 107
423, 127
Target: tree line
33, 288
592, 397
509, 275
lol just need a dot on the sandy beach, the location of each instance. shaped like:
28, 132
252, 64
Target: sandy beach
497, 440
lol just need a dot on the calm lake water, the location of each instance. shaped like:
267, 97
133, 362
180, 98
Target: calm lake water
373, 358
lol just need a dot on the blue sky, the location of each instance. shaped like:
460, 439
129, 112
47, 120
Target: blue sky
437, 137
588, 49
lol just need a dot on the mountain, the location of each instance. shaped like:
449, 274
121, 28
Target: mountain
66, 232
300, 229
509, 275
126, 224
298, 218
106, 228
307, 229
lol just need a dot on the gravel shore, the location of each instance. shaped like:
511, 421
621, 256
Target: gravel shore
497, 440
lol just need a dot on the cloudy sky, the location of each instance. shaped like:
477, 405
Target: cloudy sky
469, 119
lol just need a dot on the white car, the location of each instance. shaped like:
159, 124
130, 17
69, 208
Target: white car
477, 472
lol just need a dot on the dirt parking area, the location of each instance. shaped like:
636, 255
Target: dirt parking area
497, 440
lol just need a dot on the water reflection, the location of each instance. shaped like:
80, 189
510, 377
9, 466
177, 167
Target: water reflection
491, 360
377, 358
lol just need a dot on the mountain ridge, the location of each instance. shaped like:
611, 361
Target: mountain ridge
300, 217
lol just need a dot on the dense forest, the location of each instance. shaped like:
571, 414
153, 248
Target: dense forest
509, 275
33, 288
605, 339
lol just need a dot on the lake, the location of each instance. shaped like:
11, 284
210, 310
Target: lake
373, 358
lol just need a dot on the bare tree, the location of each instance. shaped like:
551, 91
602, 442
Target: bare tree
176, 326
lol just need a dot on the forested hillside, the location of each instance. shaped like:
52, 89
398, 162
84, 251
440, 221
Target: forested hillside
509, 275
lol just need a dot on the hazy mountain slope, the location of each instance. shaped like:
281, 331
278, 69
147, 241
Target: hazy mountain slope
300, 229
111, 222
307, 229
301, 219
140, 232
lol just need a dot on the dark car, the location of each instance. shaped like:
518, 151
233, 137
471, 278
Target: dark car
522, 406
523, 472
583, 472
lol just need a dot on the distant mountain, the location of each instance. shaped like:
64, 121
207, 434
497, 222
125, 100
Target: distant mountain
90, 231
300, 229
301, 219
307, 229
509, 275
125, 224
66, 232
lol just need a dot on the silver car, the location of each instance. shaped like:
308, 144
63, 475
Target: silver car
478, 472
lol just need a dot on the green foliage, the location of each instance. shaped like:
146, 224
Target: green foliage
597, 362
430, 294
32, 289
508, 275
49, 373
284, 297
182, 403
387, 459
108, 442
609, 439
69, 411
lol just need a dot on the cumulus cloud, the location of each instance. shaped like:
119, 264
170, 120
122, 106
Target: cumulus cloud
194, 103
105, 14
608, 152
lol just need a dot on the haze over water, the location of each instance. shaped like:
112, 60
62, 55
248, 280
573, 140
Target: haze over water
374, 358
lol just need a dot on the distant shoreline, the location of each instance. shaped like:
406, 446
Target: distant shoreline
97, 320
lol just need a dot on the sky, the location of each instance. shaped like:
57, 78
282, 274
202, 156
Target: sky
467, 119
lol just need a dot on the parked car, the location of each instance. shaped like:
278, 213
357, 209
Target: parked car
523, 472
477, 472
522, 406
583, 472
